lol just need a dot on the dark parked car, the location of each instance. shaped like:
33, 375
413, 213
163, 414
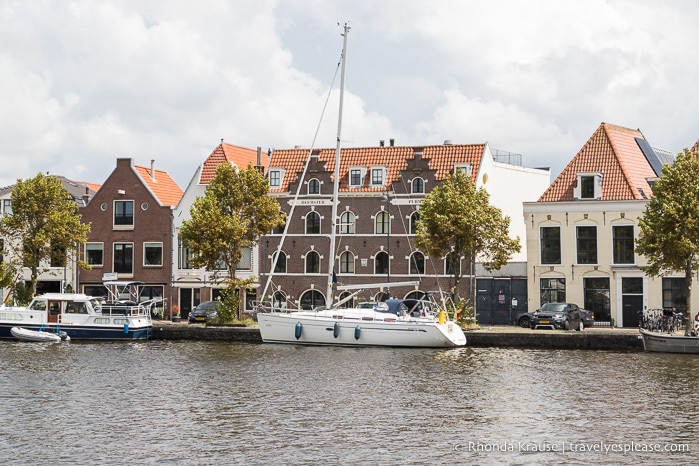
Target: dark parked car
524, 320
204, 312
566, 316
588, 318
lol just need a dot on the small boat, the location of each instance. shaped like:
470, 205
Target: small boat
669, 343
24, 334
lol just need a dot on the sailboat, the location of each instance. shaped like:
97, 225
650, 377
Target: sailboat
394, 323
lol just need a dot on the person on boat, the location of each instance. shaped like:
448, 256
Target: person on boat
696, 322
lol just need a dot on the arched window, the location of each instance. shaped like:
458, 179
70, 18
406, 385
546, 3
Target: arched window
413, 222
452, 264
314, 186
383, 223
280, 229
349, 302
418, 185
311, 299
381, 263
417, 294
417, 263
279, 300
347, 262
280, 266
347, 223
312, 262
381, 297
312, 223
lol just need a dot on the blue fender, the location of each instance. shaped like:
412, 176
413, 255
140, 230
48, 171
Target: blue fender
357, 332
336, 329
297, 330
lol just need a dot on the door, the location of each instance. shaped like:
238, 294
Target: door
54, 311
632, 306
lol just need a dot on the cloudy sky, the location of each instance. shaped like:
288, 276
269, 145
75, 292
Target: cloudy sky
85, 82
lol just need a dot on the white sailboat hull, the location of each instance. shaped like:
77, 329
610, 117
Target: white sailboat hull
307, 328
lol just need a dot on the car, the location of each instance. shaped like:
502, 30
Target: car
204, 312
524, 319
566, 316
588, 318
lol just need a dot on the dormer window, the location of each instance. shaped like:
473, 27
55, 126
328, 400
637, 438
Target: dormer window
465, 168
418, 185
314, 186
275, 178
589, 186
356, 177
378, 176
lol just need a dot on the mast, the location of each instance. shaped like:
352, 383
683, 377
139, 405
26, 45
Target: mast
336, 184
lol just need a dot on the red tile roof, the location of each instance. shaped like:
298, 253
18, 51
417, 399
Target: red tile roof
241, 157
161, 185
614, 150
93, 186
695, 148
394, 158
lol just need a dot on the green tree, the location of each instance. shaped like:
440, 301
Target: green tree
669, 236
457, 220
45, 224
233, 214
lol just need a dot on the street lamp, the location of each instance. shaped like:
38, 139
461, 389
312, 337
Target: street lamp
387, 200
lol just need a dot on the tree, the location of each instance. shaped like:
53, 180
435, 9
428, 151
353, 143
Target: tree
233, 214
457, 220
670, 225
45, 224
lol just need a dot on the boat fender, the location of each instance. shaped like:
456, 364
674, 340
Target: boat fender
297, 330
357, 332
126, 327
442, 316
336, 329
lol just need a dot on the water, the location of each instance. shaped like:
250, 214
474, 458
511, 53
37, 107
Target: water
209, 403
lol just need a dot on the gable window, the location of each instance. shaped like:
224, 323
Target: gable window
280, 266
123, 213
587, 245
417, 263
123, 258
377, 176
245, 262
383, 223
347, 262
152, 254
314, 186
347, 223
550, 245
356, 177
418, 186
275, 179
623, 244
312, 262
589, 186
312, 223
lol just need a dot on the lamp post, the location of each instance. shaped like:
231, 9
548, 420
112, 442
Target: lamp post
387, 200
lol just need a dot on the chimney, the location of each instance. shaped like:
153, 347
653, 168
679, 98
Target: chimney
259, 166
381, 144
86, 197
392, 142
152, 169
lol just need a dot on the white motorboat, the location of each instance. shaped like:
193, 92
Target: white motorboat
669, 343
24, 334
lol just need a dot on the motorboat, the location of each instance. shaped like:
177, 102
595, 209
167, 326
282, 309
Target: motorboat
669, 342
24, 334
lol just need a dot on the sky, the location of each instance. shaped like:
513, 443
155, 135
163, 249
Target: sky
85, 82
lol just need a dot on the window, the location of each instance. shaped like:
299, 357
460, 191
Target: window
347, 262
417, 263
381, 263
245, 262
553, 290
58, 256
674, 294
347, 223
623, 244
184, 256
152, 254
314, 186
383, 223
350, 300
312, 223
2, 251
589, 186
280, 266
94, 253
280, 229
275, 179
278, 301
356, 176
587, 245
418, 186
452, 264
596, 298
123, 213
123, 258
312, 262
7, 206
465, 168
551, 245
311, 299
414, 218
377, 176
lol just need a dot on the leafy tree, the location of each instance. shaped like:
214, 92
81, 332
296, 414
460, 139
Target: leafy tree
45, 220
233, 214
670, 225
456, 220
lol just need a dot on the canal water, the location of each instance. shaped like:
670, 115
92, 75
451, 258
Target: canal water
206, 403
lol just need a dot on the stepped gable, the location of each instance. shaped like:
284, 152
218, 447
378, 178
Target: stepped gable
615, 151
239, 156
160, 184
441, 159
